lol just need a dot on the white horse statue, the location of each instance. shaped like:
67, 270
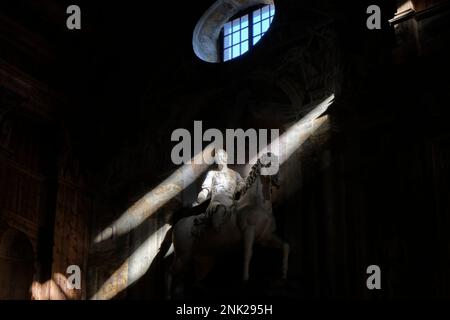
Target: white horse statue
251, 221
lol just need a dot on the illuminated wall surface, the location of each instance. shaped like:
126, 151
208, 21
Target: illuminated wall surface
86, 117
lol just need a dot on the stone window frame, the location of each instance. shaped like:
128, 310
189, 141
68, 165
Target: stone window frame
207, 33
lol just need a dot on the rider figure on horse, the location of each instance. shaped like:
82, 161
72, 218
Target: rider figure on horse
221, 186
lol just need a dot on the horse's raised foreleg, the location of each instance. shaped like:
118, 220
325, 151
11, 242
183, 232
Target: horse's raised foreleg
273, 241
249, 237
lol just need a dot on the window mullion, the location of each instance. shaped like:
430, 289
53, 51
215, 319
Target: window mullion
250, 30
222, 44
251, 34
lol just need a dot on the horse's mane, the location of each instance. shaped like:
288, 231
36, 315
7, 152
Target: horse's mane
251, 178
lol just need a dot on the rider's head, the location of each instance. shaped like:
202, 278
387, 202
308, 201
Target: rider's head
221, 157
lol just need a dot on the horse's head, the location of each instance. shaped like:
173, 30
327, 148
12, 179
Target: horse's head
255, 175
266, 162
267, 181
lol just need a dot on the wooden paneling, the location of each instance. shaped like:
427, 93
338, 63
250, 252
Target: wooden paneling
71, 232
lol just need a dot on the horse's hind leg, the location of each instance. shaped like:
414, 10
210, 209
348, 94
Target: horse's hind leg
176, 276
273, 241
203, 266
285, 263
169, 278
249, 238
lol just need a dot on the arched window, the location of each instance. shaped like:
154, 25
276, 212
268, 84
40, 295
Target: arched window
230, 28
241, 33
16, 265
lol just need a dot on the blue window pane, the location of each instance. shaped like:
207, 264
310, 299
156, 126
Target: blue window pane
256, 39
244, 34
236, 24
257, 15
236, 37
227, 41
265, 12
227, 54
257, 28
227, 28
244, 47
236, 51
244, 21
237, 33
265, 25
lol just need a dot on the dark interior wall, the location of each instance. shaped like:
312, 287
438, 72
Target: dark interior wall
43, 196
386, 143
370, 189
16, 265
27, 186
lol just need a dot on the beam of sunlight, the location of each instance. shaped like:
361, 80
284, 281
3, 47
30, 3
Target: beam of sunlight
406, 5
54, 289
297, 134
170, 251
158, 197
133, 268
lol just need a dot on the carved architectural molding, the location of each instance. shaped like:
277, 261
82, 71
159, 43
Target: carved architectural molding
413, 23
35, 97
3, 225
22, 224
418, 10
